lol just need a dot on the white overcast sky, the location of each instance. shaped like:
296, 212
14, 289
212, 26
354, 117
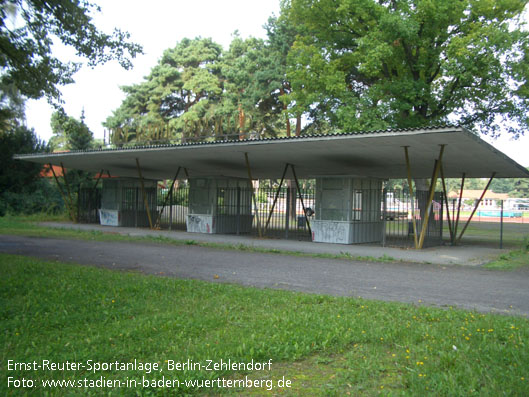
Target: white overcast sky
158, 25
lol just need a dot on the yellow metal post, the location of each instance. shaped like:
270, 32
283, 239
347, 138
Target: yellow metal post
158, 218
446, 202
144, 194
253, 195
476, 207
408, 167
459, 208
97, 181
430, 198
301, 198
276, 197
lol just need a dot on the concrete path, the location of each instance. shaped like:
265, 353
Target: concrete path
435, 285
466, 255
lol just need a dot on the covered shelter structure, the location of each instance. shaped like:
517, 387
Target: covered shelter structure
348, 169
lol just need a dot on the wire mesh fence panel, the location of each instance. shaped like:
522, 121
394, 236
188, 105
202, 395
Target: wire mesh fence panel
173, 215
399, 211
284, 213
133, 211
89, 205
281, 212
234, 213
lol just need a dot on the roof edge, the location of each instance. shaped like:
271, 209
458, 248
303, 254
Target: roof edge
391, 131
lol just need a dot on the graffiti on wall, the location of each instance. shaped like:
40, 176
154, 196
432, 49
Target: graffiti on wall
109, 217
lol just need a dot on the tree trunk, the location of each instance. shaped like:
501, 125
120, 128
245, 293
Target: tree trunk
287, 119
242, 119
298, 125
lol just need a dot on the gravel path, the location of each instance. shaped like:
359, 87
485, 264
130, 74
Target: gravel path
435, 285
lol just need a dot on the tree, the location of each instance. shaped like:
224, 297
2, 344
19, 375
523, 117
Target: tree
27, 31
409, 63
281, 37
521, 188
178, 92
72, 134
502, 185
20, 186
28, 69
69, 133
252, 83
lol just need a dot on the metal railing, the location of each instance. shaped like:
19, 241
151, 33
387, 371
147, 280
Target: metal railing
278, 214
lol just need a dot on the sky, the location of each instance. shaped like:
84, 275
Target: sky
158, 25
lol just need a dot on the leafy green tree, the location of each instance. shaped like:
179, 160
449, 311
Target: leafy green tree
252, 87
503, 185
28, 69
406, 63
521, 188
20, 187
178, 91
27, 31
281, 37
72, 134
69, 133
11, 107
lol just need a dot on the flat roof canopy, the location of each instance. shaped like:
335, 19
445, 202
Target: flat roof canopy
377, 154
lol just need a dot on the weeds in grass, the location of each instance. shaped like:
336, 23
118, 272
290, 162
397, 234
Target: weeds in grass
512, 259
325, 345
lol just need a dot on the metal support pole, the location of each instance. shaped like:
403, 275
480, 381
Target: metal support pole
476, 206
501, 226
144, 194
253, 195
171, 201
276, 197
97, 181
78, 213
430, 198
287, 212
301, 198
458, 209
446, 204
384, 211
159, 217
238, 215
410, 186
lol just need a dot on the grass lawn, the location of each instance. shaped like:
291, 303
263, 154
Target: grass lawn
515, 238
28, 226
511, 260
488, 233
323, 345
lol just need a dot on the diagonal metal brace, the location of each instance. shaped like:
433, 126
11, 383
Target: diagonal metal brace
276, 197
433, 183
253, 196
476, 207
144, 194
